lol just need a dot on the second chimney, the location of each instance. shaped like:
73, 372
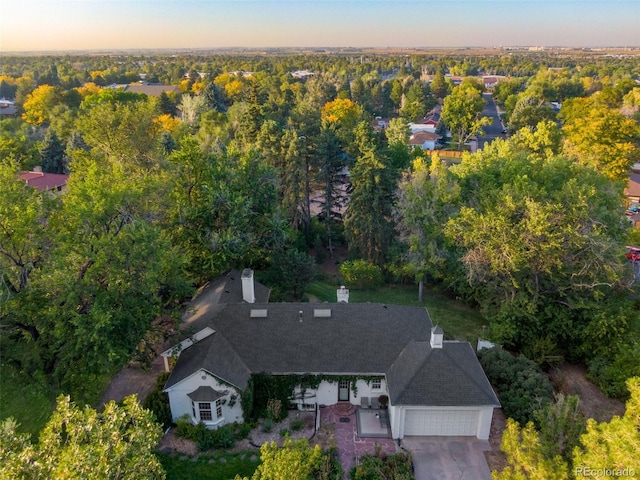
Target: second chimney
343, 294
248, 291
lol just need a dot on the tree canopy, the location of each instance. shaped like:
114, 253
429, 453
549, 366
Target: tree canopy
116, 443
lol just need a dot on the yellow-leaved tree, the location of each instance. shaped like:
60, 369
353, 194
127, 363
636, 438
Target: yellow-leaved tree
40, 103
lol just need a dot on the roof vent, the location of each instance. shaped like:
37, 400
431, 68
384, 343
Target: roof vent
322, 312
258, 313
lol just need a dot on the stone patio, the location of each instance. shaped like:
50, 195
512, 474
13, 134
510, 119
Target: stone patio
351, 446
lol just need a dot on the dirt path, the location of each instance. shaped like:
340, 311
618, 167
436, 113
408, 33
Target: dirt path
132, 379
572, 380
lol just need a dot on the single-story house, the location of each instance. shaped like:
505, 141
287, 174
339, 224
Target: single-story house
379, 123
433, 386
7, 108
149, 89
45, 182
425, 140
632, 191
429, 123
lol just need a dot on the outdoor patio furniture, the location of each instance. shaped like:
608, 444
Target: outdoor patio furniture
374, 403
364, 402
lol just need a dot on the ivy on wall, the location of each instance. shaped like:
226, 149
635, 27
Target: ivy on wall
263, 387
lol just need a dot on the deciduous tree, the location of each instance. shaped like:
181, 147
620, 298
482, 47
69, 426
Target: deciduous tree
40, 103
293, 460
462, 112
602, 138
116, 443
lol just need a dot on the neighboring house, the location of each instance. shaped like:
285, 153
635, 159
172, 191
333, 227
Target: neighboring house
45, 182
490, 81
7, 108
302, 74
425, 140
428, 124
434, 387
632, 193
152, 90
633, 188
379, 124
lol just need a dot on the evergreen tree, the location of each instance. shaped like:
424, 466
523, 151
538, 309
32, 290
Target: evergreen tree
368, 222
52, 154
213, 97
166, 105
331, 160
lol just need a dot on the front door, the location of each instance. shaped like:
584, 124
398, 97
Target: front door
343, 390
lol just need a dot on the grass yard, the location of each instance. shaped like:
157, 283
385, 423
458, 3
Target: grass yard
30, 401
223, 466
25, 399
458, 320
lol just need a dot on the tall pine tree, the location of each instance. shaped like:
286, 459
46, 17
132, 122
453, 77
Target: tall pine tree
53, 154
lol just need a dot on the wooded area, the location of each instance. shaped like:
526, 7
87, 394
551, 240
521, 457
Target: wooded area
245, 165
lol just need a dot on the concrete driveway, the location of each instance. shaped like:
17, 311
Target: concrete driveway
448, 458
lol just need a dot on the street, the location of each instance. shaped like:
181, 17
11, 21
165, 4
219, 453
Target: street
494, 130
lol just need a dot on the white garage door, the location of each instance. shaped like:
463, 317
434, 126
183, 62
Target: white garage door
441, 422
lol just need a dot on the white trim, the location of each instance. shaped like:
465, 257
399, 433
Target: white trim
176, 350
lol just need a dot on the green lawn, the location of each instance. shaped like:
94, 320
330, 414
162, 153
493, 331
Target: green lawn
27, 400
30, 401
458, 320
225, 466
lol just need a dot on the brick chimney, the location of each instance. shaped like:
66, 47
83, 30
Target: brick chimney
248, 290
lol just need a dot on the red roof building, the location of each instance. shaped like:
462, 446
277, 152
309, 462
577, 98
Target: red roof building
45, 182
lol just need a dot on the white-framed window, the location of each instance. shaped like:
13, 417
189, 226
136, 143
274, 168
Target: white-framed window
376, 384
207, 411
204, 409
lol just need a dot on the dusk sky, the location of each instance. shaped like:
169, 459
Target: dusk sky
46, 25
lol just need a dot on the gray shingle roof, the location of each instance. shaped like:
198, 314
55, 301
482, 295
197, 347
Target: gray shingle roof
448, 376
205, 394
365, 339
215, 355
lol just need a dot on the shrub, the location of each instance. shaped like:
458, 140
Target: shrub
206, 439
267, 425
361, 273
296, 424
158, 402
284, 432
374, 467
329, 468
521, 385
244, 429
186, 429
610, 372
274, 409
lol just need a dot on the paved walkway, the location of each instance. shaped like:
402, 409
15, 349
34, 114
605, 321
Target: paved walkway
348, 443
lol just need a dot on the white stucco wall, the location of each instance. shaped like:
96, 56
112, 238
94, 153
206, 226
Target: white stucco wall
181, 403
327, 393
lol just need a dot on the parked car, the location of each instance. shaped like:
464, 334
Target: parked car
633, 254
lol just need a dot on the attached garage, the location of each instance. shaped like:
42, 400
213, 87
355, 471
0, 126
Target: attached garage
441, 422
